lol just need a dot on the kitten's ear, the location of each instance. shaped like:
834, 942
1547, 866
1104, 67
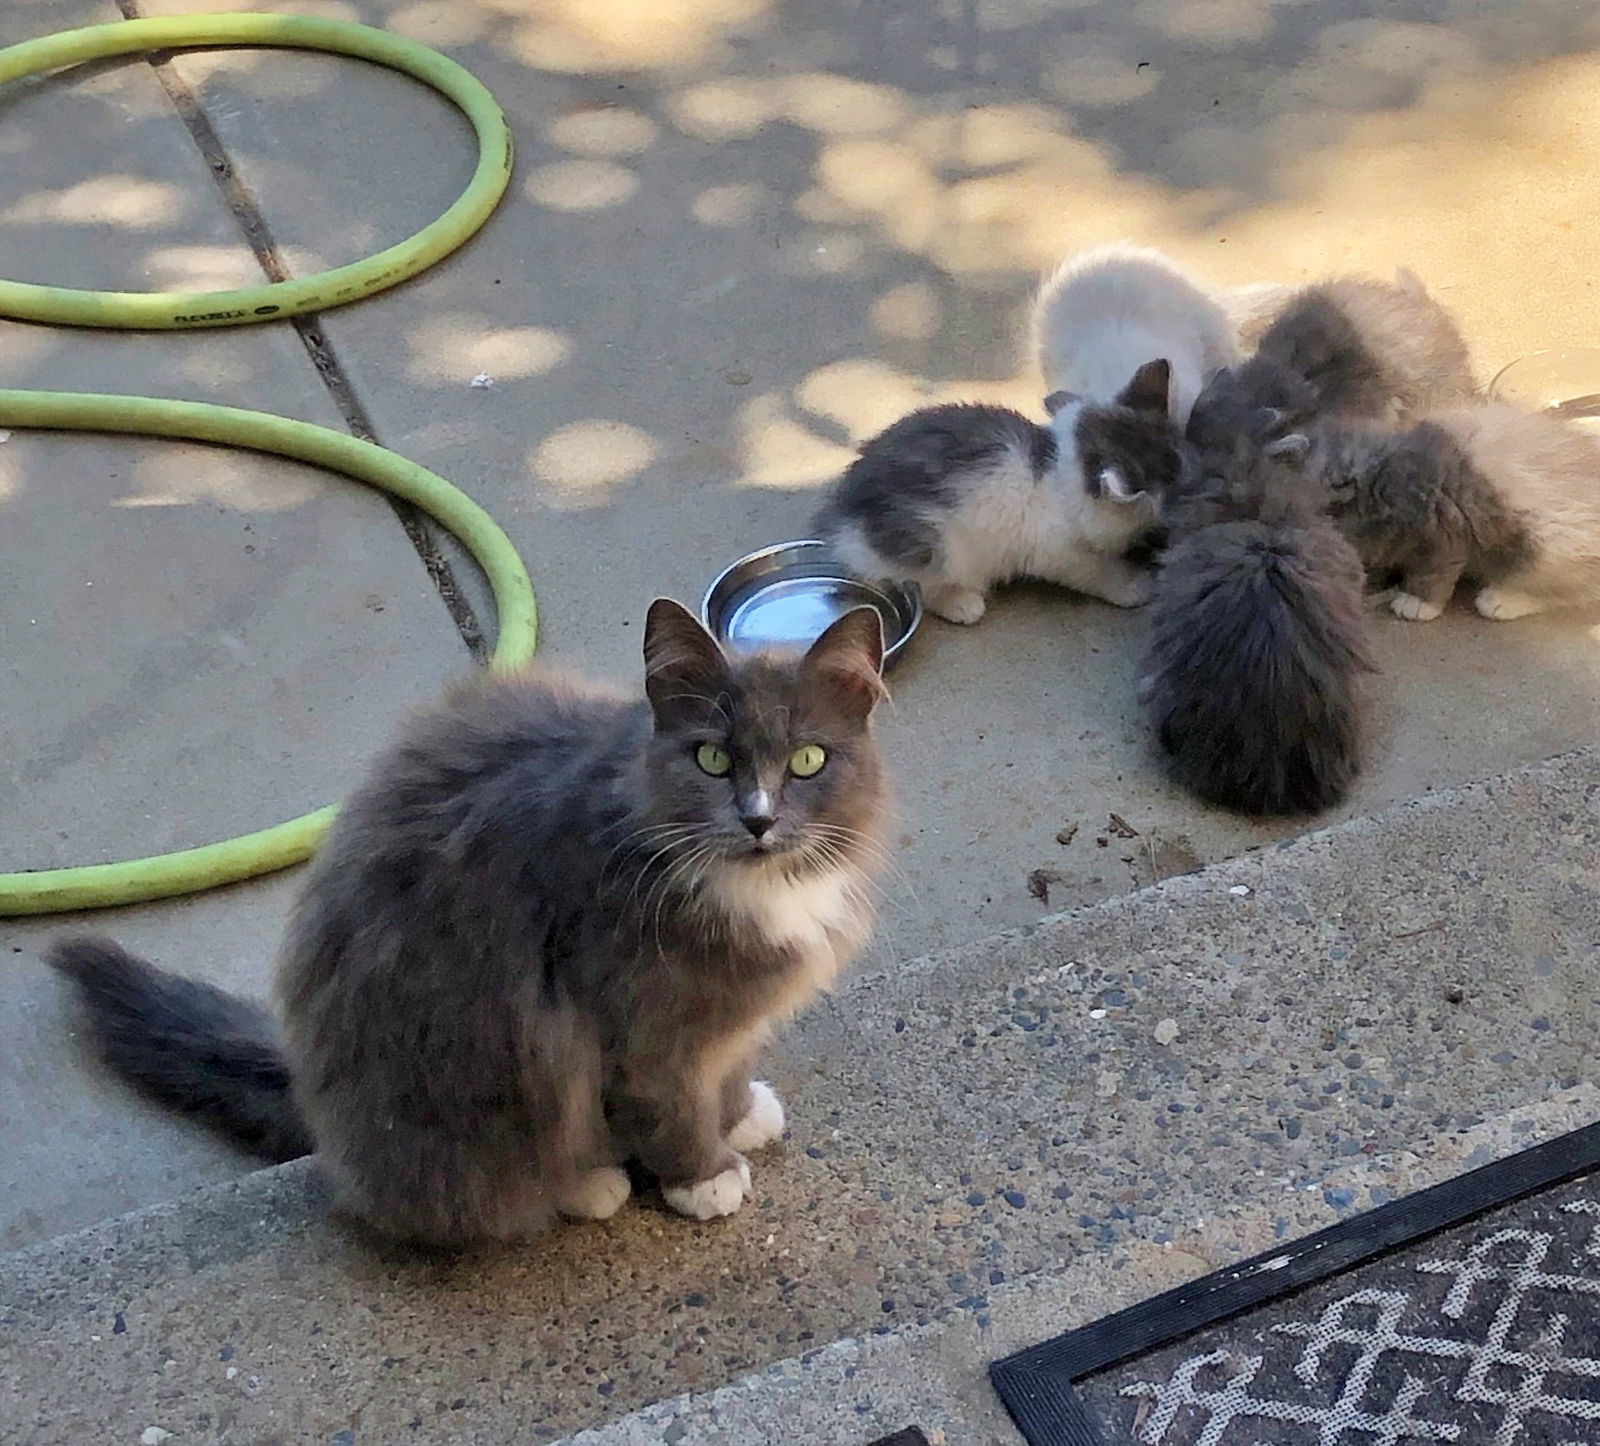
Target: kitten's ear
1147, 392
1293, 448
1057, 400
683, 664
847, 660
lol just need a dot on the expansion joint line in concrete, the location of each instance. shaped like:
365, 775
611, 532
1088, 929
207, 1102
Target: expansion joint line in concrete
246, 211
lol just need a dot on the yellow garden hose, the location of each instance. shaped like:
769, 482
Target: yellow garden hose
270, 301
103, 885
190, 870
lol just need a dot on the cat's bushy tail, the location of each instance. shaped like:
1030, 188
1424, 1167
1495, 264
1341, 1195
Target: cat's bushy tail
1254, 664
188, 1045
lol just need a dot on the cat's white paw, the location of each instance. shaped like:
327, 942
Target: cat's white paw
1134, 593
598, 1195
1502, 604
1404, 605
707, 1199
763, 1121
958, 604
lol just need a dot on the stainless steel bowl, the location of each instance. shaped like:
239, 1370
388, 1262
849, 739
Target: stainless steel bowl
788, 595
1565, 381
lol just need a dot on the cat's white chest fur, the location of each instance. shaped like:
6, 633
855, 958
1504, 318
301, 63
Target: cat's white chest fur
821, 917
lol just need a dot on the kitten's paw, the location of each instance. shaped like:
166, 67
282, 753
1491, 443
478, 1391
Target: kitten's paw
762, 1123
1502, 604
1134, 593
598, 1195
707, 1199
958, 604
1404, 605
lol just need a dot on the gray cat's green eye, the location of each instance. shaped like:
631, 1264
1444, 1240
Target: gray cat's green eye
807, 760
713, 759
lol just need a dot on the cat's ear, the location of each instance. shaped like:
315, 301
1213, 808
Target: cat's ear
1057, 400
1147, 392
683, 664
1292, 448
847, 661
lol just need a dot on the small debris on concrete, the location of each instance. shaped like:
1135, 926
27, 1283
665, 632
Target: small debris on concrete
1163, 857
1067, 834
1106, 1084
482, 382
1039, 881
230, 1373
154, 1436
1454, 994
1239, 890
1097, 1014
1120, 826
5, 436
1166, 1031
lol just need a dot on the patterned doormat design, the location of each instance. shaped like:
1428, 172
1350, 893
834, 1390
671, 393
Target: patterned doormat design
1446, 1317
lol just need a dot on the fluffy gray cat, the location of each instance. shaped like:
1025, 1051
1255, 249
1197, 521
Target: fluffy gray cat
1256, 645
1357, 348
547, 938
1508, 498
959, 498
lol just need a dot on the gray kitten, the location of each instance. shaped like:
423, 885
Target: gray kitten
1357, 348
1508, 498
1252, 675
546, 938
961, 497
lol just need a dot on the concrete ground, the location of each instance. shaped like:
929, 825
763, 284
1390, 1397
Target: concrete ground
991, 1142
741, 236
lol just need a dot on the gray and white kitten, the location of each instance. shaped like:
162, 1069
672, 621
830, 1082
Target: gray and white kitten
547, 938
1256, 645
1505, 497
962, 497
1357, 348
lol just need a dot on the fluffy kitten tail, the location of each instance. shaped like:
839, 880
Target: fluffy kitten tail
1253, 675
187, 1045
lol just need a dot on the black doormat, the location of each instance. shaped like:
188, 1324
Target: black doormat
1467, 1313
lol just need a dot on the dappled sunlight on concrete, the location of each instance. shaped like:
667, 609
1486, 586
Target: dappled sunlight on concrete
909, 312
861, 396
322, 9
777, 449
440, 22
580, 185
128, 203
197, 268
456, 348
580, 462
579, 35
604, 130
1216, 22
166, 477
